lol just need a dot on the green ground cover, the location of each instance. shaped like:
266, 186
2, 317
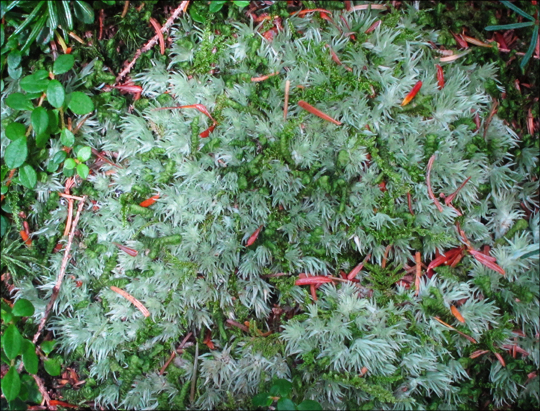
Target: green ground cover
236, 226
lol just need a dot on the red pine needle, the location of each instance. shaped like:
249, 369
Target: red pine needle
157, 28
317, 112
440, 76
302, 12
150, 201
373, 27
132, 252
451, 197
354, 272
457, 314
412, 93
487, 260
254, 236
500, 358
313, 280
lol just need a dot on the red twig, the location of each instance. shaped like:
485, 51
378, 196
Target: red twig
428, 181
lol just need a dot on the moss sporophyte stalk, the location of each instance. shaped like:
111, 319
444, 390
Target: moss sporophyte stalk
244, 200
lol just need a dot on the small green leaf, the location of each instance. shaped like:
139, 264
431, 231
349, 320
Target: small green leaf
70, 164
56, 93
309, 405
16, 153
241, 4
14, 59
83, 170
216, 6
83, 12
47, 346
30, 359
11, 384
33, 84
63, 63
53, 122
40, 120
52, 366
27, 176
66, 137
196, 16
41, 74
69, 172
285, 404
15, 74
19, 101
59, 157
11, 341
23, 308
84, 153
15, 131
42, 139
80, 103
262, 400
281, 387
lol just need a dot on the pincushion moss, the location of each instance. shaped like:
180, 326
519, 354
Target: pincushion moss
326, 196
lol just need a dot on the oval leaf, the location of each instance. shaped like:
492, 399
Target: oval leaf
83, 12
83, 170
52, 366
16, 153
11, 384
285, 404
70, 164
281, 387
80, 103
11, 341
47, 346
262, 400
19, 101
15, 130
34, 84
66, 137
41, 140
23, 308
14, 59
40, 120
84, 153
59, 157
63, 64
309, 405
27, 176
30, 358
55, 93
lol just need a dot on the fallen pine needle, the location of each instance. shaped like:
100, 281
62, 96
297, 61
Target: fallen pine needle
262, 78
457, 314
157, 28
468, 337
238, 325
286, 105
368, 6
317, 112
418, 272
428, 182
174, 354
132, 300
454, 57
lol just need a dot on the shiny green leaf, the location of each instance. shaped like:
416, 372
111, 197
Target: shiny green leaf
285, 404
52, 366
40, 120
11, 341
53, 14
14, 59
67, 138
63, 63
27, 176
80, 103
84, 153
55, 93
83, 170
70, 164
16, 153
30, 358
11, 384
83, 12
18, 101
309, 405
33, 84
23, 308
47, 346
29, 18
15, 130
